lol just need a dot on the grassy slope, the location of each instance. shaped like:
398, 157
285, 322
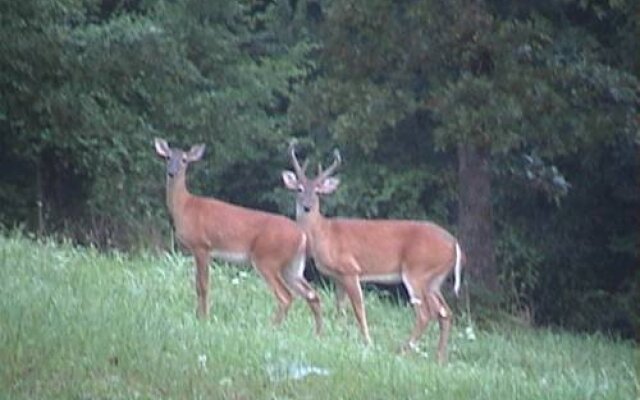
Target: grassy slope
78, 324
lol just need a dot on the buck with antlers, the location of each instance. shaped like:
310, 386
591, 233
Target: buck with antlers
273, 244
350, 251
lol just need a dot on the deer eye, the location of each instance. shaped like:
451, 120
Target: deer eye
300, 189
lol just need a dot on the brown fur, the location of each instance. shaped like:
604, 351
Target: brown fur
272, 243
419, 254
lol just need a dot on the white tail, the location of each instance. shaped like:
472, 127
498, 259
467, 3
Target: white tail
418, 254
273, 244
457, 269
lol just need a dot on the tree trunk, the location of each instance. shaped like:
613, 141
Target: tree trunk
475, 219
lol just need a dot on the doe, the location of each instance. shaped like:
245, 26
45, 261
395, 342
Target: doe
207, 227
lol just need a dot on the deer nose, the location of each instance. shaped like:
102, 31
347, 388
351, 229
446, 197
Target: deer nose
306, 208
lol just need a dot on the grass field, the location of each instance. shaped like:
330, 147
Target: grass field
78, 324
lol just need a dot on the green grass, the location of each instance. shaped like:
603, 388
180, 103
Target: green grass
77, 324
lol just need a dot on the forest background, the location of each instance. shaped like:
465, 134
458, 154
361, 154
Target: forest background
514, 124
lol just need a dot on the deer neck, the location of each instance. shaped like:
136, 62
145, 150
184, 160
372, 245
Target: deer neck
318, 231
177, 194
313, 223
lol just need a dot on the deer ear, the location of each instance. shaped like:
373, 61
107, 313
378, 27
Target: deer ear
195, 153
328, 186
290, 180
162, 148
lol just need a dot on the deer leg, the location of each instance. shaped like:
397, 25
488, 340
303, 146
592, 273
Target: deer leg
294, 277
284, 298
279, 289
341, 297
313, 300
351, 285
444, 320
421, 308
300, 286
202, 282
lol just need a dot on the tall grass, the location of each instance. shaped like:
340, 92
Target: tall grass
78, 324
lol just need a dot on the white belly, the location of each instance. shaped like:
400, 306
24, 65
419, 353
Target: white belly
323, 270
231, 257
394, 277
382, 278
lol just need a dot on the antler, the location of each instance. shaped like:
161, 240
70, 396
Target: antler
337, 160
300, 171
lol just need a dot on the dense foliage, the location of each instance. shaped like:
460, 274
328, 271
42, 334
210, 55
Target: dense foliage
542, 96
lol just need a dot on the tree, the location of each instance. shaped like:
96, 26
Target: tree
87, 85
492, 86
